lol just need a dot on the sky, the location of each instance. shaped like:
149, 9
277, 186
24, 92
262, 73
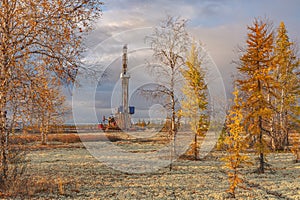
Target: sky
220, 25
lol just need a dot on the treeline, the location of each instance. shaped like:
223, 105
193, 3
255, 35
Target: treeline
265, 110
266, 87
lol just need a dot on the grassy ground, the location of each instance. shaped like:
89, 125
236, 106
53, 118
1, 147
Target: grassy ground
66, 170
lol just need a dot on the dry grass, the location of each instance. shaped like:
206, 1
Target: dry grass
62, 138
60, 171
75, 174
33, 185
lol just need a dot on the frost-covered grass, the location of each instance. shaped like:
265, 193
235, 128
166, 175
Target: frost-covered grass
74, 173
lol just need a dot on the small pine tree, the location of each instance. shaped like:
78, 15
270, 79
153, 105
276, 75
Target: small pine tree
236, 143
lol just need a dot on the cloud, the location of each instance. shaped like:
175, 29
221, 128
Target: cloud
220, 24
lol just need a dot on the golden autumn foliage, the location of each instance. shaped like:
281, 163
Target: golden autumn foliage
236, 143
34, 34
195, 102
286, 105
47, 103
257, 85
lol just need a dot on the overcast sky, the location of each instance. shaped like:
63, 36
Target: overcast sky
221, 25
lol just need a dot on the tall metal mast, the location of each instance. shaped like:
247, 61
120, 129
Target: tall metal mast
125, 82
124, 59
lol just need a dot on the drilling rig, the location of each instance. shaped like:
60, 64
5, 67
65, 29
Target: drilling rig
123, 116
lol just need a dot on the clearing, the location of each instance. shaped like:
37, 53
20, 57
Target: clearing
69, 171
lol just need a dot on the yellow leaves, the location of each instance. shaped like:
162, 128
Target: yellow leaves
195, 101
258, 83
194, 104
236, 143
45, 4
267, 85
67, 33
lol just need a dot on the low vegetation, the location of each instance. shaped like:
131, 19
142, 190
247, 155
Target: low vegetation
70, 171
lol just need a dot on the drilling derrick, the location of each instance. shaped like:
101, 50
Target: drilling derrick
124, 116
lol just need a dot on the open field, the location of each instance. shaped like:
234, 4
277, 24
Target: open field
69, 171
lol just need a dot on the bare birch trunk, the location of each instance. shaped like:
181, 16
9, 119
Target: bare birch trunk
173, 131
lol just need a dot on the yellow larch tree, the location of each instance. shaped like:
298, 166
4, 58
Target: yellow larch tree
195, 103
257, 83
286, 104
236, 143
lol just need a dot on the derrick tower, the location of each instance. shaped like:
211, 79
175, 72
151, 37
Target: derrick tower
124, 121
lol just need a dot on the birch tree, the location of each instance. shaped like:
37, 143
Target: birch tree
169, 42
47, 103
39, 32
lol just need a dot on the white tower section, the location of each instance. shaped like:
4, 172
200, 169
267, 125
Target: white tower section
125, 82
